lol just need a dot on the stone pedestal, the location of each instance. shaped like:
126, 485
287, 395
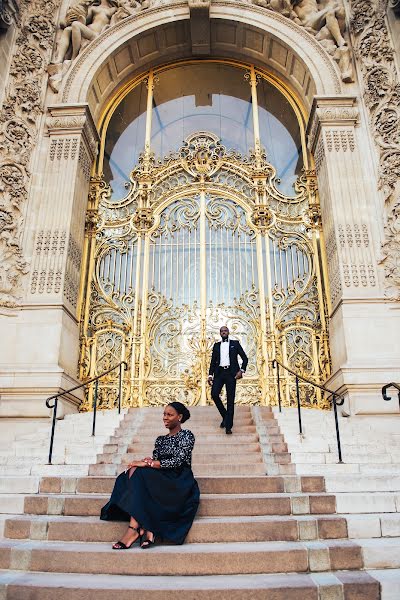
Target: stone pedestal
364, 327
40, 345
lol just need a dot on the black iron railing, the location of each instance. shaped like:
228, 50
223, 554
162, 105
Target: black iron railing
386, 387
121, 366
331, 394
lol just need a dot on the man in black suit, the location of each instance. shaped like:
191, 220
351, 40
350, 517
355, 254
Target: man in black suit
225, 370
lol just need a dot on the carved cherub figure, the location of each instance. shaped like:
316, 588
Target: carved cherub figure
326, 20
127, 8
282, 6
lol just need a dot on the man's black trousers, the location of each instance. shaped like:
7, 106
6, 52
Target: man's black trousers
224, 377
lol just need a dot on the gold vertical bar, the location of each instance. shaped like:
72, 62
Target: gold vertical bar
203, 295
143, 328
149, 113
269, 282
263, 318
135, 333
256, 122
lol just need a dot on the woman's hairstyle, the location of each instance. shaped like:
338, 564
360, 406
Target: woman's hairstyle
181, 410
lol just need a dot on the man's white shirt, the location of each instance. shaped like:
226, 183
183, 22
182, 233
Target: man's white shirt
224, 354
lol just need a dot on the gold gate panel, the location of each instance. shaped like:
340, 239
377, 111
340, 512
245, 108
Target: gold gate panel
203, 238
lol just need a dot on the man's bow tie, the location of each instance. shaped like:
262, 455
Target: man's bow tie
225, 340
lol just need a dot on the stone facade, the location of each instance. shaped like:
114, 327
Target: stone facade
61, 63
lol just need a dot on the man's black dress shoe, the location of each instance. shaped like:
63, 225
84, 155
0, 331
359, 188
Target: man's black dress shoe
228, 431
222, 424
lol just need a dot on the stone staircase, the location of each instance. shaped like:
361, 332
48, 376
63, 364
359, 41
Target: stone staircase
265, 529
24, 456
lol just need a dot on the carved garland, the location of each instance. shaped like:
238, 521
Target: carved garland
382, 97
18, 130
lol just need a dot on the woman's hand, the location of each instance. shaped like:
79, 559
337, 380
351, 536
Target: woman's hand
137, 463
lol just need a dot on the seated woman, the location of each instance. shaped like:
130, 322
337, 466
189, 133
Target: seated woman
158, 496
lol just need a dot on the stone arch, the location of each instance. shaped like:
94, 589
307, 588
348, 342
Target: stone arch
158, 35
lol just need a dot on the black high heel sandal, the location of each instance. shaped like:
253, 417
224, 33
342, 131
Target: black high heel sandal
148, 543
121, 546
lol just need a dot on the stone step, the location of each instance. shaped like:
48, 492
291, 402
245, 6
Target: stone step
326, 470
70, 469
198, 470
207, 485
11, 503
210, 438
361, 483
198, 430
359, 503
204, 529
41, 459
329, 458
48, 586
373, 525
196, 410
190, 559
211, 419
389, 580
197, 459
200, 448
210, 504
19, 485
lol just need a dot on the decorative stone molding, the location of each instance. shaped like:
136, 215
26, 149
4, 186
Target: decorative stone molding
332, 111
71, 120
325, 45
19, 121
72, 148
332, 139
381, 91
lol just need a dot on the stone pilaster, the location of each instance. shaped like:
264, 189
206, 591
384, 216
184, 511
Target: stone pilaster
45, 347
56, 262
361, 323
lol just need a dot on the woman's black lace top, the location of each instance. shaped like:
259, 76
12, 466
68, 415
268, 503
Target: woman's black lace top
174, 450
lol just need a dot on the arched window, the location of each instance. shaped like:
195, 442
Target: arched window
203, 96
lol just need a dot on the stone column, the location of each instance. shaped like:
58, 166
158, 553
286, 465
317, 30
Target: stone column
364, 330
43, 356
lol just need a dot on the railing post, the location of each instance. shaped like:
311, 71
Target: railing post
121, 367
279, 387
96, 387
298, 405
337, 429
53, 426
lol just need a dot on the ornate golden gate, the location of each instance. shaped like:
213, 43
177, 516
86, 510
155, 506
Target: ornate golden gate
203, 238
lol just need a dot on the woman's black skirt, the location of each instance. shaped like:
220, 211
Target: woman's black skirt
163, 501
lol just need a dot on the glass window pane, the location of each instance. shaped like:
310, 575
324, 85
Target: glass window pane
125, 139
280, 135
202, 97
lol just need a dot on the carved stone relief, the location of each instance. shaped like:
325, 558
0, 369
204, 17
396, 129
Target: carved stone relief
85, 20
381, 90
18, 129
46, 276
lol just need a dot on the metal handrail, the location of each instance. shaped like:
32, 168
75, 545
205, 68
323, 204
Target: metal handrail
121, 365
334, 395
386, 387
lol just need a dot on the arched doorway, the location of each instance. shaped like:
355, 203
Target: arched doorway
205, 216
